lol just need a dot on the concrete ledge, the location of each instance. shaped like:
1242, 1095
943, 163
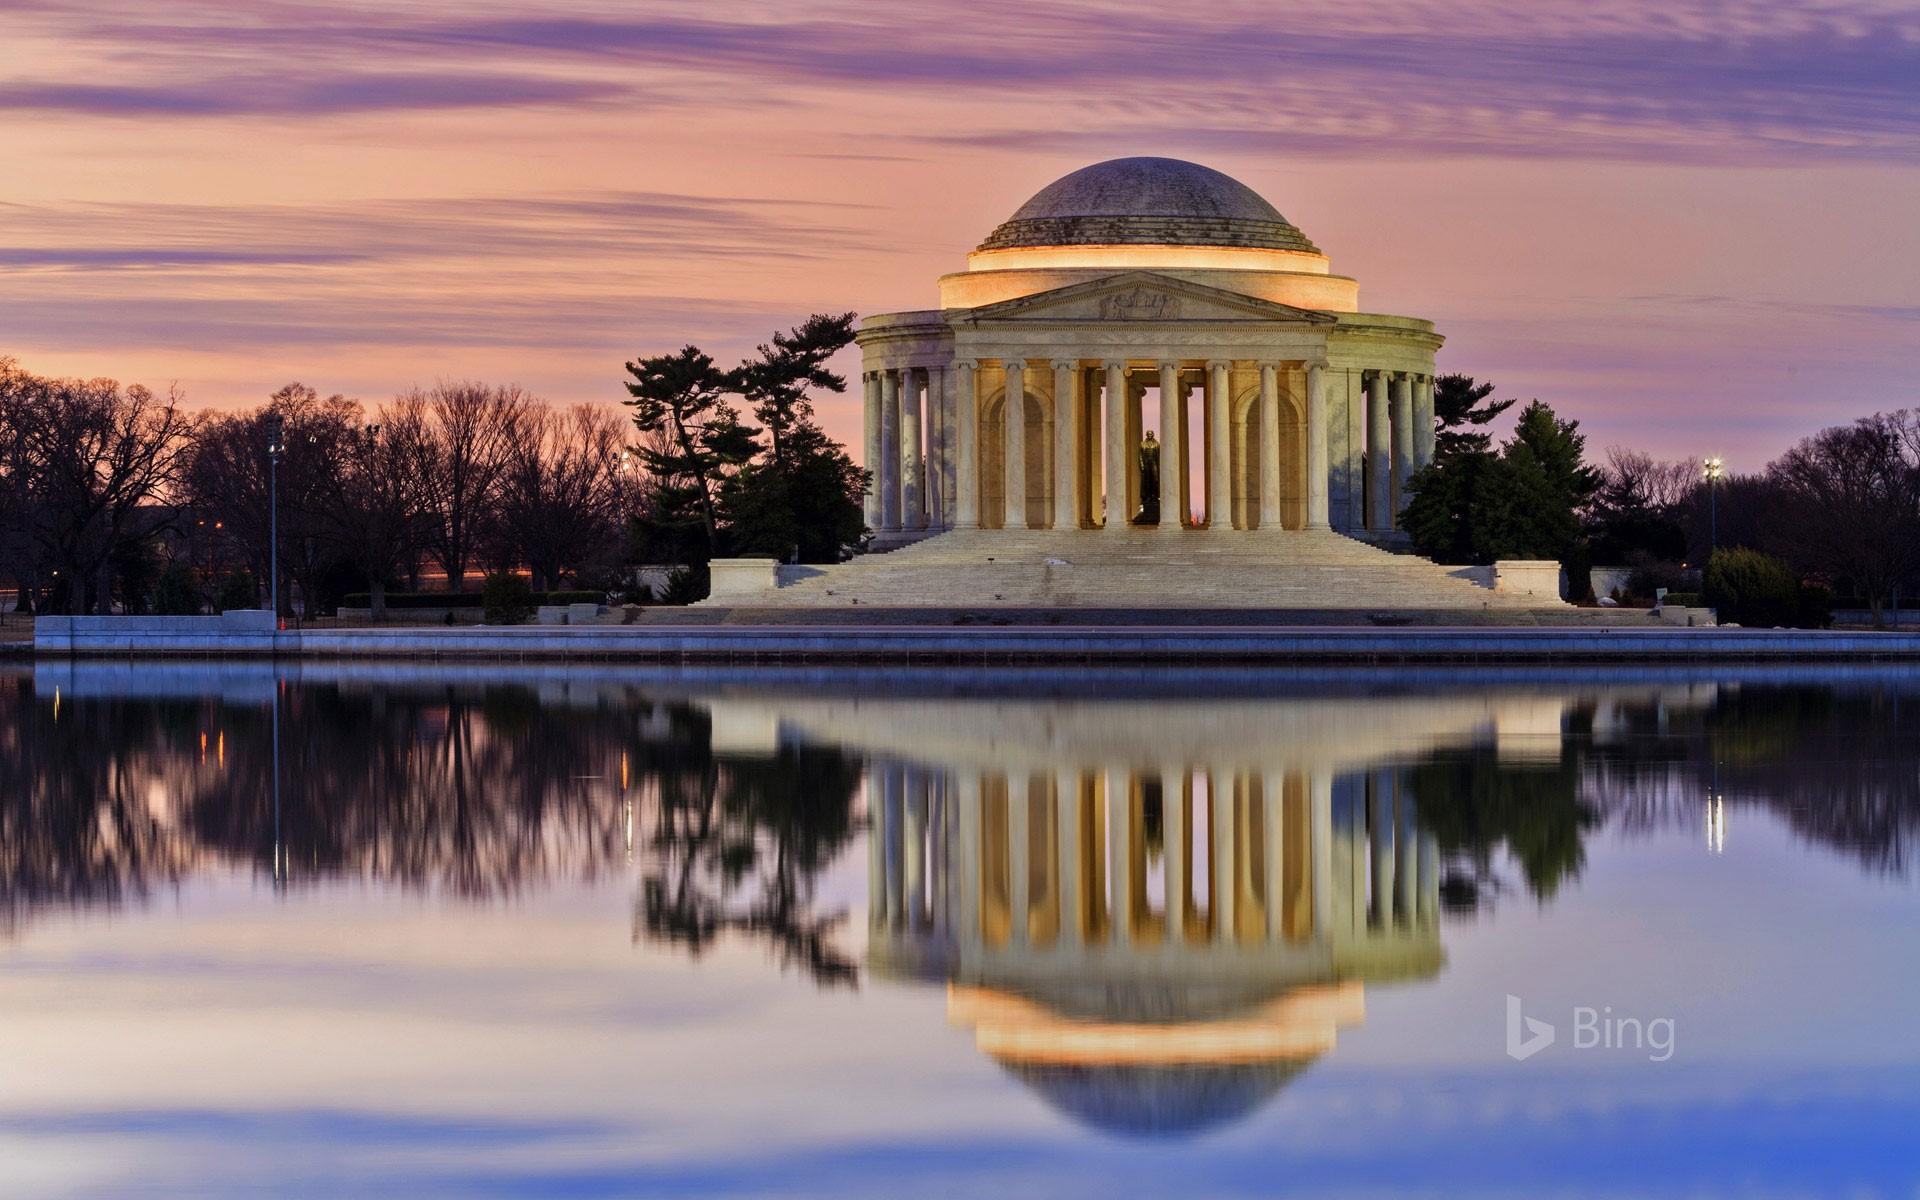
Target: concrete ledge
236, 631
742, 576
1528, 577
988, 646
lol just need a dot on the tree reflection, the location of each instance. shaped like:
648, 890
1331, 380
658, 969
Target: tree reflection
722, 823
479, 793
1840, 767
1477, 806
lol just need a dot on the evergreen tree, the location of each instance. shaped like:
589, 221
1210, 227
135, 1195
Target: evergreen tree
684, 396
1474, 505
1460, 409
775, 384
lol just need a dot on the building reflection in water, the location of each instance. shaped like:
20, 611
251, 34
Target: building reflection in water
1154, 951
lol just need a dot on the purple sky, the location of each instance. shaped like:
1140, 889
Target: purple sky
1693, 226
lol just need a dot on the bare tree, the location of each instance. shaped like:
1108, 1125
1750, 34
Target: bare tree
1853, 503
565, 492
227, 479
470, 430
1662, 486
93, 456
371, 507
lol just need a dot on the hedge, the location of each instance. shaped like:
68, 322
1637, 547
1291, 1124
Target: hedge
399, 600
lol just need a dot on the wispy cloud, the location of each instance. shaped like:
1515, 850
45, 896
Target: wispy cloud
605, 225
1677, 81
292, 96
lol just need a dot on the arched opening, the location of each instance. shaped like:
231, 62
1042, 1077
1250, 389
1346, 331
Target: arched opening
1038, 458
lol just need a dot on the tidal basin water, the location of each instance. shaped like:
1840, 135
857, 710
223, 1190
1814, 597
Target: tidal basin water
582, 932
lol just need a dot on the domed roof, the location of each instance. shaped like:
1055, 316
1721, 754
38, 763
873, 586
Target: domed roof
1171, 1100
1148, 201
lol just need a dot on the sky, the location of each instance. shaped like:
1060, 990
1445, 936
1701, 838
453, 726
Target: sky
1689, 225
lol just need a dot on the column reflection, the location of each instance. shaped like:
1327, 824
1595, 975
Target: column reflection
1157, 950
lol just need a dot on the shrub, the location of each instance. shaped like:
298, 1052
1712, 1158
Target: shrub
415, 600
177, 594
1752, 588
1816, 606
686, 585
506, 599
236, 591
1649, 575
1684, 599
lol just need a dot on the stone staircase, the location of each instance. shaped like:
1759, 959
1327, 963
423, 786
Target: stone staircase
1137, 569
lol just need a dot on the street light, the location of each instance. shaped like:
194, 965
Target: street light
276, 445
1713, 470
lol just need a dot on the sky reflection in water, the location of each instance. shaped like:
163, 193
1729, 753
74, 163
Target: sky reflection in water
613, 932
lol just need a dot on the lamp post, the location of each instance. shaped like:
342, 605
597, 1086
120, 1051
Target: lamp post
1712, 470
276, 445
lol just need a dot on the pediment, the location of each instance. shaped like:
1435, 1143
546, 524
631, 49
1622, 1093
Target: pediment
1144, 296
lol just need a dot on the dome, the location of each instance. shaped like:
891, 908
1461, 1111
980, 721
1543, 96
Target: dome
1167, 1100
1148, 201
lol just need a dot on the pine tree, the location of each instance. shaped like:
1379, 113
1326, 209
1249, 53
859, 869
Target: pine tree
1460, 409
685, 396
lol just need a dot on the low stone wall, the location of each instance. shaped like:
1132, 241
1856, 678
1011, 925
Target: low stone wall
742, 576
1528, 577
1224, 646
236, 631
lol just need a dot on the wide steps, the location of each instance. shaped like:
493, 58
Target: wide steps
1138, 569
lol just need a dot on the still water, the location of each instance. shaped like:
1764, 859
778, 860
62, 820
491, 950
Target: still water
582, 932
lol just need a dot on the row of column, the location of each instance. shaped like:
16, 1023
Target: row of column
1065, 857
924, 453
909, 416
1400, 440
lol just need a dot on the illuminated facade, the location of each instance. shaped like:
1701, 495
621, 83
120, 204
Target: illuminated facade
1139, 296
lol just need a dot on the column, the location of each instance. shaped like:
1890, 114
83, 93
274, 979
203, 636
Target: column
1066, 373
1379, 460
1320, 821
895, 794
936, 423
1019, 847
1402, 440
1015, 443
1222, 826
915, 872
1116, 464
871, 384
876, 850
1176, 838
1174, 501
1273, 801
966, 482
1429, 909
890, 451
1219, 447
966, 812
1423, 430
913, 495
1066, 815
1406, 857
1380, 844
1119, 799
1270, 446
1317, 461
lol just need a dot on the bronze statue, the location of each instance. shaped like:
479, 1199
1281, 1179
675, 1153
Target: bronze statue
1149, 513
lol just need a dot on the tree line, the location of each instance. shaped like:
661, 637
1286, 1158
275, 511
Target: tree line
1838, 513
117, 498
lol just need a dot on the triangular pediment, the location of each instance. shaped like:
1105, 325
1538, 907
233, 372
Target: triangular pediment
1144, 296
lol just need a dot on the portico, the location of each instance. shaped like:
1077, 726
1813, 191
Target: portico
1196, 366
